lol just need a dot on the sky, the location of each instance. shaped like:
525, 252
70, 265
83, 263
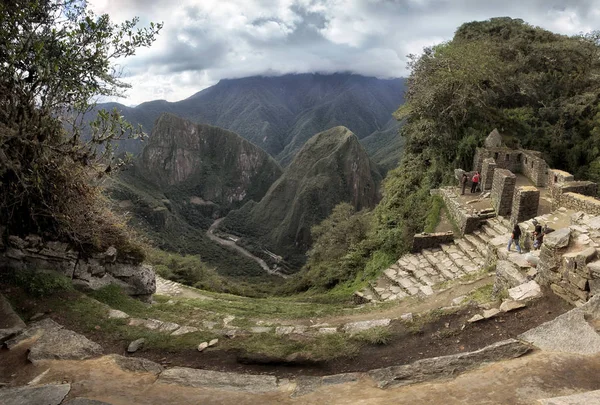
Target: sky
204, 41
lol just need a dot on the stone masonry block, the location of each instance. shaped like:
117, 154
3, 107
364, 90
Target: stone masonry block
503, 188
525, 204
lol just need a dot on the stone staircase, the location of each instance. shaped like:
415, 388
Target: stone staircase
417, 274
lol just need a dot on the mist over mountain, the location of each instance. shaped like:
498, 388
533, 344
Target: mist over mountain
279, 114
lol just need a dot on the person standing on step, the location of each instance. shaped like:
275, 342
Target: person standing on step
475, 181
463, 182
514, 238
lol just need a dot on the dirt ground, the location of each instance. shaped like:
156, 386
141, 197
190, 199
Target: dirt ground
442, 336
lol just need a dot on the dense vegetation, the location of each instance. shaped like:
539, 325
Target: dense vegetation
279, 114
56, 56
539, 88
332, 167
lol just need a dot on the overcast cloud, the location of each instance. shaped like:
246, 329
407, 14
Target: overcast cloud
204, 41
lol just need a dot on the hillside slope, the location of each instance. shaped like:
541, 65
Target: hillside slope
279, 114
205, 165
331, 167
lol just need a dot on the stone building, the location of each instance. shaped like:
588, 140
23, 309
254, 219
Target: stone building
495, 154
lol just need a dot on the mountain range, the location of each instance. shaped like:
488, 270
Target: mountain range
279, 114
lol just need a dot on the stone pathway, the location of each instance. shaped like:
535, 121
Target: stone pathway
418, 274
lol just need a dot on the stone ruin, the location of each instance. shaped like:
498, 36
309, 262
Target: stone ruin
87, 272
568, 261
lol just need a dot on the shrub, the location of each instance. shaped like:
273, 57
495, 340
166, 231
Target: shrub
42, 283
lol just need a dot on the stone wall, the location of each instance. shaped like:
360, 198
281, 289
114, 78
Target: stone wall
534, 167
431, 240
525, 204
556, 176
527, 162
503, 188
466, 221
487, 174
505, 158
568, 270
579, 202
577, 187
97, 271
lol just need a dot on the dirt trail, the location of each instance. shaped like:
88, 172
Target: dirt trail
232, 245
521, 381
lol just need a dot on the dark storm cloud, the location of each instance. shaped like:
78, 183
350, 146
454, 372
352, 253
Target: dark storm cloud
207, 40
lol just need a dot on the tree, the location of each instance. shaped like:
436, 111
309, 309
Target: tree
57, 56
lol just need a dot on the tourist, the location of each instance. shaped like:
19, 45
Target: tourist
514, 238
475, 181
463, 182
538, 240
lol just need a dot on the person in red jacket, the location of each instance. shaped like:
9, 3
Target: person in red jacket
475, 182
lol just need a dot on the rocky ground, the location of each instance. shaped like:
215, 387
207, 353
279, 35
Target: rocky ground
460, 334
45, 363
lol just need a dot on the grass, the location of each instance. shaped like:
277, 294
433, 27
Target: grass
88, 314
483, 294
379, 335
433, 216
319, 348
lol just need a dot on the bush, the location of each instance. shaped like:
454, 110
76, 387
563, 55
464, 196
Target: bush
42, 283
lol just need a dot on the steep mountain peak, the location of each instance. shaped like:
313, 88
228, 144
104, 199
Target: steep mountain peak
332, 167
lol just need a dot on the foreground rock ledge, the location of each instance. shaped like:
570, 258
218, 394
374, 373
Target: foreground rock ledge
221, 380
51, 394
447, 366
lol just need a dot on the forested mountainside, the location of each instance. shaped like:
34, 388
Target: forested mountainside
205, 165
187, 176
331, 168
539, 88
279, 114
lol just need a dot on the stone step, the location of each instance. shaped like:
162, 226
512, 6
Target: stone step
479, 244
459, 258
442, 263
470, 250
498, 226
401, 280
489, 231
483, 236
373, 292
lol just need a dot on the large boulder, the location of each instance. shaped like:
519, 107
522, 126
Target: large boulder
63, 344
558, 239
51, 394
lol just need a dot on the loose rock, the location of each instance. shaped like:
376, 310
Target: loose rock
202, 346
510, 305
490, 313
136, 345
525, 291
558, 239
355, 327
10, 322
407, 317
116, 314
475, 318
63, 344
